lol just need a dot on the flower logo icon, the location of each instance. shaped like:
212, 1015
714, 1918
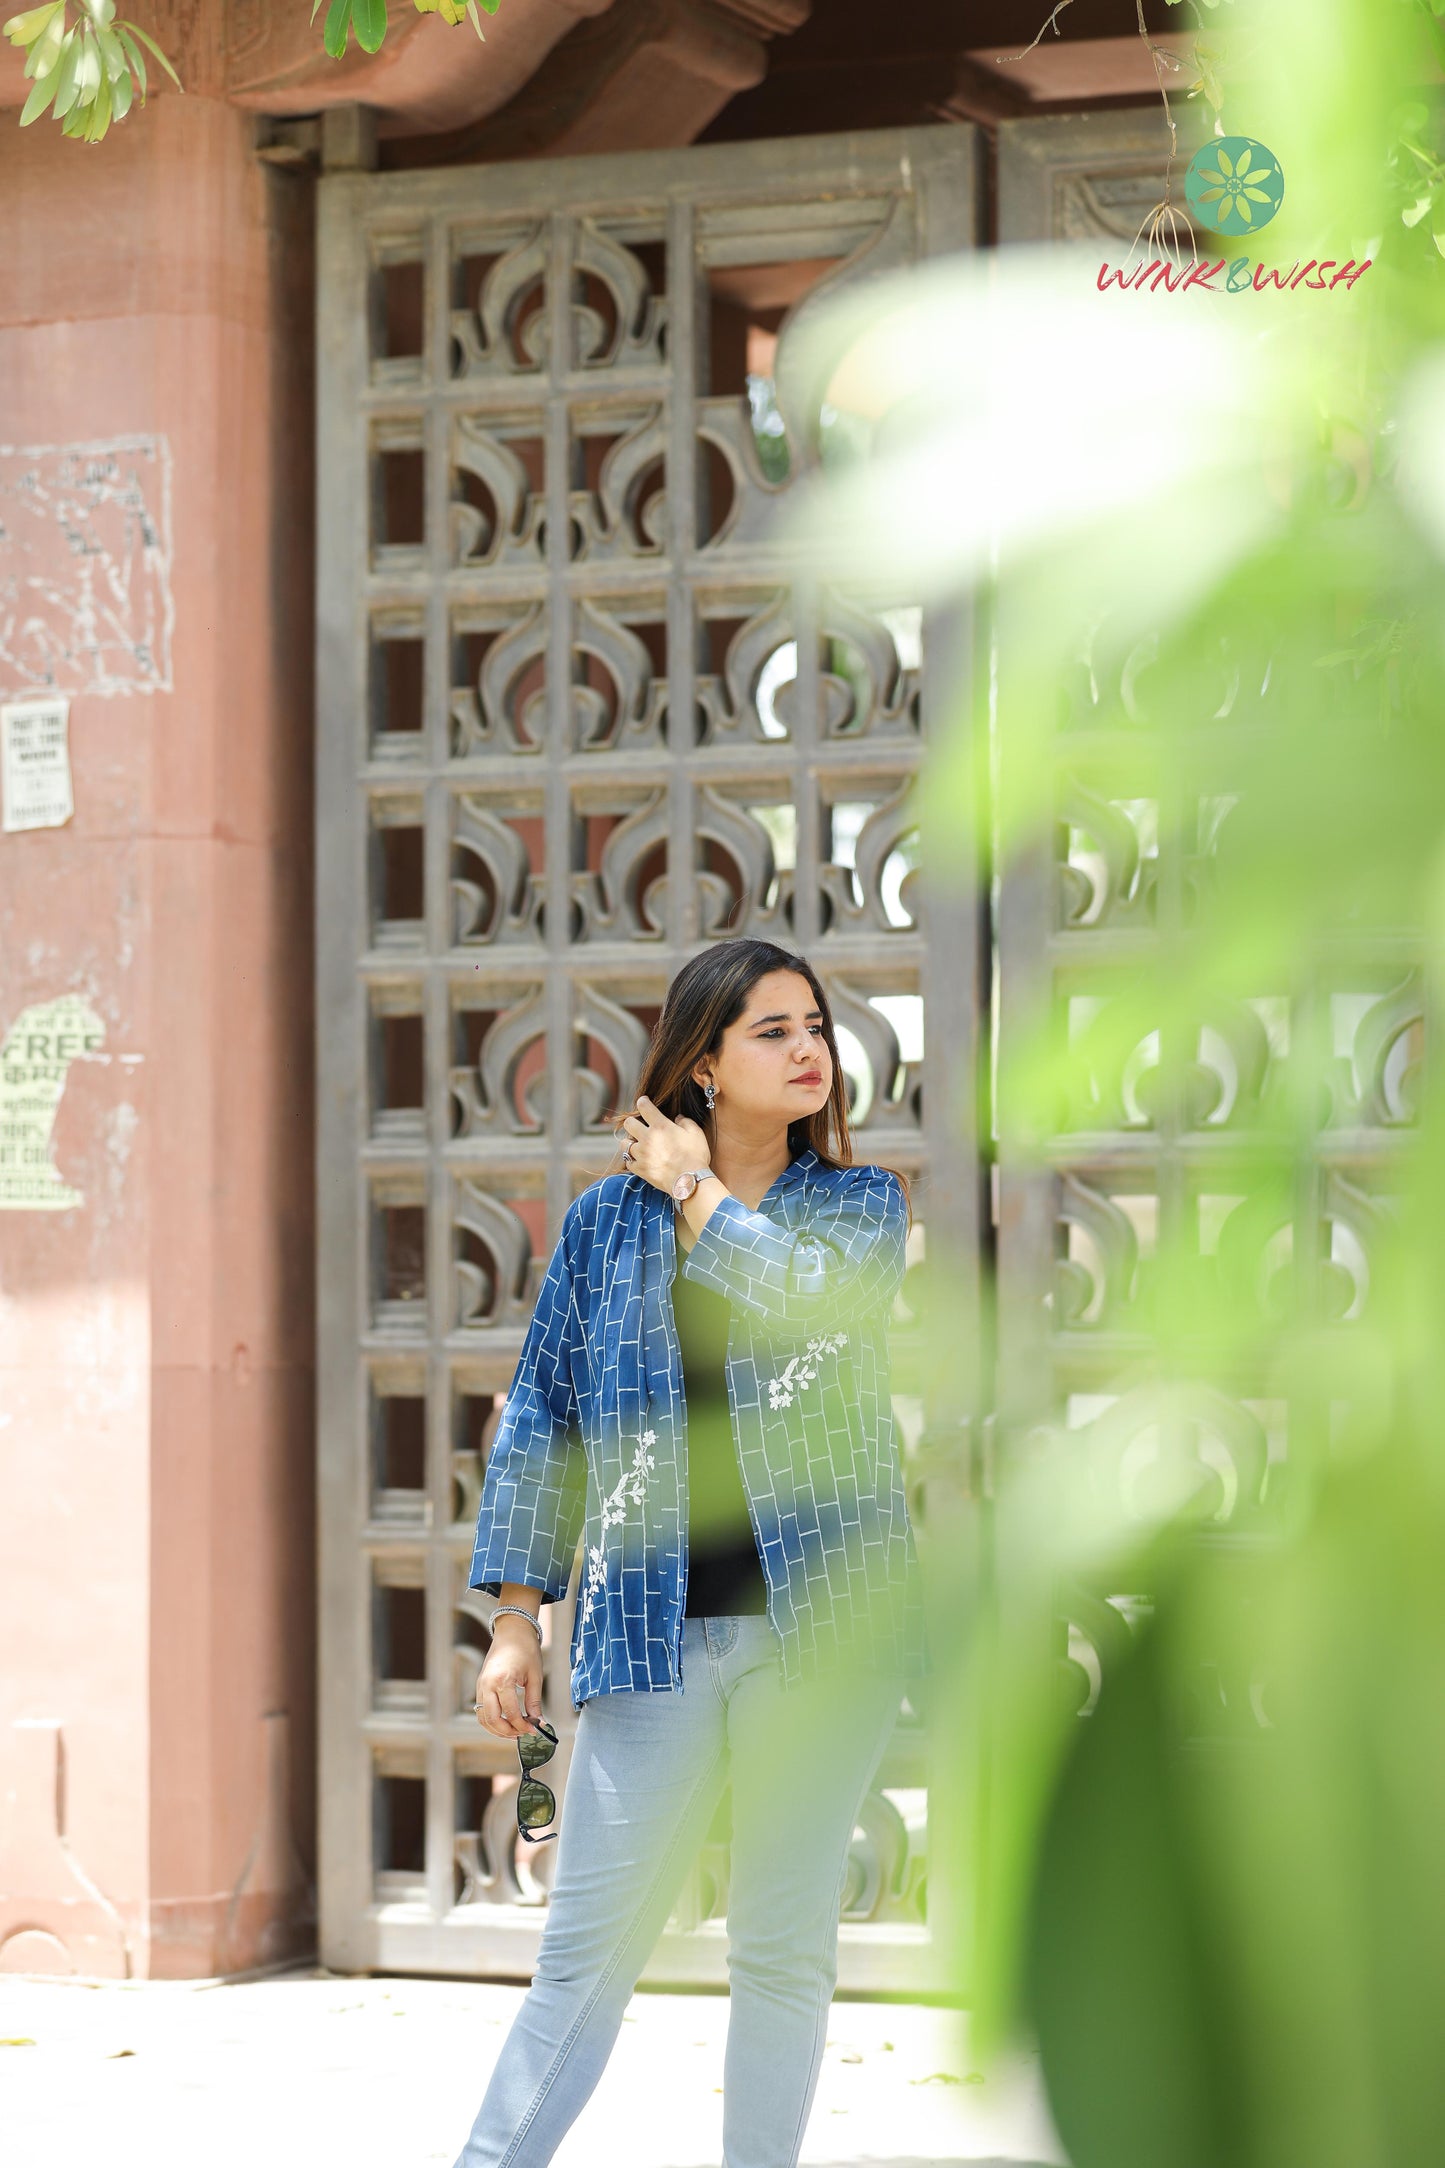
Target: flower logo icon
1234, 185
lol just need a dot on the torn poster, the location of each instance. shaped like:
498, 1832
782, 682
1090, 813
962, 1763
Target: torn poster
85, 567
34, 1063
35, 763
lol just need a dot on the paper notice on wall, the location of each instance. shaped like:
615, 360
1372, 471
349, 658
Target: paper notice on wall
34, 1063
85, 567
35, 763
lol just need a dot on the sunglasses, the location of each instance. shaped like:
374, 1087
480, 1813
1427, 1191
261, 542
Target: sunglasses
536, 1803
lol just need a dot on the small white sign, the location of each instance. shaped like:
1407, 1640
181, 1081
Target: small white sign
35, 763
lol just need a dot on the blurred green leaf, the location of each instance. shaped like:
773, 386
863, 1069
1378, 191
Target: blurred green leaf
89, 71
86, 71
134, 55
46, 48
39, 98
1238, 1934
1122, 1971
338, 27
43, 35
368, 19
1210, 753
101, 109
69, 75
23, 29
155, 52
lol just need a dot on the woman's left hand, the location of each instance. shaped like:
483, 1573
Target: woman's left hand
662, 1149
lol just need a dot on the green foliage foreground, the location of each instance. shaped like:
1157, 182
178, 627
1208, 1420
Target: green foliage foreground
86, 68
1207, 532
83, 70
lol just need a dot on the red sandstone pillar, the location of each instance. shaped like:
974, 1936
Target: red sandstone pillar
156, 1482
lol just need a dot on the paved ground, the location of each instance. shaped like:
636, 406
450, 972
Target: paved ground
313, 2069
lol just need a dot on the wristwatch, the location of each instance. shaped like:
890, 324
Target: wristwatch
685, 1184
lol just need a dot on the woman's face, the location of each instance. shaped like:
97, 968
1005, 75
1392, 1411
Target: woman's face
774, 1064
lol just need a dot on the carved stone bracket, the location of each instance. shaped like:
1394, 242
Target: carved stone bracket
644, 75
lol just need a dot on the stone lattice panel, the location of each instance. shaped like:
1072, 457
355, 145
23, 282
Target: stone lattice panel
1135, 1164
579, 715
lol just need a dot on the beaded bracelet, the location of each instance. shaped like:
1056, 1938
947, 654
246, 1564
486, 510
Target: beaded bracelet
518, 1611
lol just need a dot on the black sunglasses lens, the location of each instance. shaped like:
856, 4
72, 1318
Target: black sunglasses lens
535, 1748
535, 1804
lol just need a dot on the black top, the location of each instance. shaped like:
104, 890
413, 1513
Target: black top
724, 1572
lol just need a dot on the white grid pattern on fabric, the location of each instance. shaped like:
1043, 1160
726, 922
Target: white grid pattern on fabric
591, 1445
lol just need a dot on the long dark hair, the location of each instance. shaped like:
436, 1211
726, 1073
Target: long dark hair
708, 994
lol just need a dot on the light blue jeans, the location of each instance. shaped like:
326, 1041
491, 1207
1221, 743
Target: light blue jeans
647, 1773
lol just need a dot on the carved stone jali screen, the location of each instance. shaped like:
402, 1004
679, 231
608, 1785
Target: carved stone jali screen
578, 718
1163, 1149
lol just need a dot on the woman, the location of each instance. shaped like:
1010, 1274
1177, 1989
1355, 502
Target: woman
702, 1398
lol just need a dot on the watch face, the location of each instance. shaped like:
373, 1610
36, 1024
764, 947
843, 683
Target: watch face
684, 1186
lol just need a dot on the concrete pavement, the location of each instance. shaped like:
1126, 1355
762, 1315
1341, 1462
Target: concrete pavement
313, 2068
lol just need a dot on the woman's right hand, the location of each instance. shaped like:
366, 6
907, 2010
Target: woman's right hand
509, 1684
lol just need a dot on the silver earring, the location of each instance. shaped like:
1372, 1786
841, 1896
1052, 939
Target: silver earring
711, 1096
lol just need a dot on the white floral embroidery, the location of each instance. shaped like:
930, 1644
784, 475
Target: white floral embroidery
802, 1369
633, 1488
